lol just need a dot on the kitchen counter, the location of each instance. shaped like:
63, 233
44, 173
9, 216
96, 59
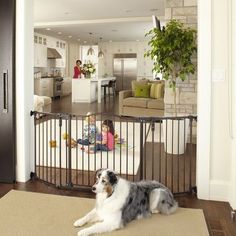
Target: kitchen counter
88, 90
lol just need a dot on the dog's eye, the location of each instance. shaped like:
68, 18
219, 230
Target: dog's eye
103, 181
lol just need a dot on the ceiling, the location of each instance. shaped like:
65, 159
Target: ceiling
111, 20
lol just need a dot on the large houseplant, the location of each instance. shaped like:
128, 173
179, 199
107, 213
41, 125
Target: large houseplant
171, 50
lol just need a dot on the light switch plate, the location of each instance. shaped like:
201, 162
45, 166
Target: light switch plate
218, 75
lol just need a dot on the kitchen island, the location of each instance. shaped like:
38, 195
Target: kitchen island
88, 90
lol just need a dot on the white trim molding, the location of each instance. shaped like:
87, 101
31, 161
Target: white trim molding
24, 88
219, 190
204, 97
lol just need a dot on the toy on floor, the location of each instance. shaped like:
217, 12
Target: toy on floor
65, 136
73, 143
53, 143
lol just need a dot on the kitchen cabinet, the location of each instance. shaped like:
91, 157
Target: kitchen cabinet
43, 87
66, 86
40, 55
62, 61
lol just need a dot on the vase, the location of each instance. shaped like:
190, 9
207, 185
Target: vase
87, 75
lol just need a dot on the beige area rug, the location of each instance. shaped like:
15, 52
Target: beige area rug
34, 214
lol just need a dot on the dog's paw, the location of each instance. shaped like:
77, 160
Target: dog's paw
79, 223
83, 233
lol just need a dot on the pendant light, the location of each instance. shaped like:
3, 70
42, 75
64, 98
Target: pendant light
90, 50
100, 53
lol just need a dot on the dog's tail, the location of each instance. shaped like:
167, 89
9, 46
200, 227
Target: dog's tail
166, 205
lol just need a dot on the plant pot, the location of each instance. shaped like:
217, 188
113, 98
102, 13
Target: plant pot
175, 133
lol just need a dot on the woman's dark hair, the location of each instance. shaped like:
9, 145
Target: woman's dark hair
80, 62
109, 124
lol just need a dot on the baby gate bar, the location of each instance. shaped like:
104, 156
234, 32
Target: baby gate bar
160, 148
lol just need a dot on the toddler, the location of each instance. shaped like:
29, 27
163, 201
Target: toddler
107, 138
89, 131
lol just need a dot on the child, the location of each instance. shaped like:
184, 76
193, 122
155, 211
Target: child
107, 138
89, 131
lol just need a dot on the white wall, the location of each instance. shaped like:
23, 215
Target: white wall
24, 88
73, 55
144, 65
220, 136
217, 178
233, 106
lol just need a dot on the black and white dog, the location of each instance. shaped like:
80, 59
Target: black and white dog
119, 201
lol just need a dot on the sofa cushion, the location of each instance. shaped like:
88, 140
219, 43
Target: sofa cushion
142, 91
134, 83
135, 102
156, 103
157, 90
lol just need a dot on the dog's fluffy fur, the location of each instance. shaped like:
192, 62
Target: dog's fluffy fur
119, 201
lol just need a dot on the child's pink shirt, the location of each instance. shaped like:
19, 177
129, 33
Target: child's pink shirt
108, 138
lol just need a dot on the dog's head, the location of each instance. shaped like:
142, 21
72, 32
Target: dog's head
105, 181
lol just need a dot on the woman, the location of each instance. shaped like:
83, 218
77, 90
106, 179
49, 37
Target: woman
77, 70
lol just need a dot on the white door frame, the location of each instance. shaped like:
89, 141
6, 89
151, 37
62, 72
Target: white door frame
204, 95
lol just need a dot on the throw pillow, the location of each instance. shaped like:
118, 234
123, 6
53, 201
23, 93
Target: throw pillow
142, 91
157, 90
135, 83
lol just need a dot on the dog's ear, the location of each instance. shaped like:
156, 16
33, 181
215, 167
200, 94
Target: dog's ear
98, 172
113, 177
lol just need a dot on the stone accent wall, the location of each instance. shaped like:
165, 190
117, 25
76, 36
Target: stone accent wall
186, 12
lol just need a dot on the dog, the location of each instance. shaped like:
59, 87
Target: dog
119, 201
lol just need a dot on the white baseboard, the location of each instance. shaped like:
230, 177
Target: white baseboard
219, 190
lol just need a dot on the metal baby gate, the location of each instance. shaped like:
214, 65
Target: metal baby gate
160, 148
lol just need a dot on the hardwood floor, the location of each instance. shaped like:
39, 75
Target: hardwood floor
65, 105
217, 214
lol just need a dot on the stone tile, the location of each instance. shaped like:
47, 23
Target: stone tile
168, 14
189, 3
169, 96
192, 19
174, 3
188, 98
184, 11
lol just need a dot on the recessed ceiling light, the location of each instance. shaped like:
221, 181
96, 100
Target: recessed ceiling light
48, 28
69, 36
59, 32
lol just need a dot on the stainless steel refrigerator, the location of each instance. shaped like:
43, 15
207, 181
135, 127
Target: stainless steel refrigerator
125, 70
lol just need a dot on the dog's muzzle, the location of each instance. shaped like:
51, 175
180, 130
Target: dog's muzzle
94, 189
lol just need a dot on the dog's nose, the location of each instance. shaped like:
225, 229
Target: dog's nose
93, 188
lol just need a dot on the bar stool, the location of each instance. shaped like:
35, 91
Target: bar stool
111, 84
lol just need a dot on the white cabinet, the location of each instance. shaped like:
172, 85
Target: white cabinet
66, 86
43, 87
62, 61
40, 55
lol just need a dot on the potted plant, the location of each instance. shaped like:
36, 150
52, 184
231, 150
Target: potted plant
171, 50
